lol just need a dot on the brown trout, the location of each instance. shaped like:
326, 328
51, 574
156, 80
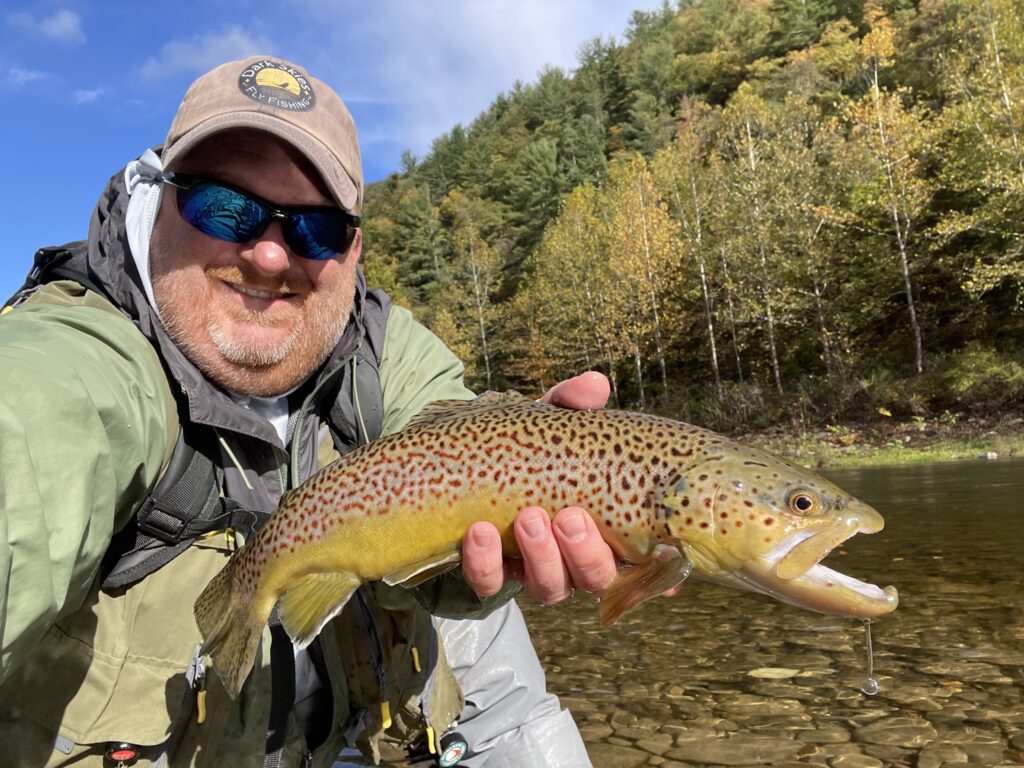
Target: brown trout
668, 497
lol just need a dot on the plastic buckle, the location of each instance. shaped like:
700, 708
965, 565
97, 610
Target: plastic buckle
166, 525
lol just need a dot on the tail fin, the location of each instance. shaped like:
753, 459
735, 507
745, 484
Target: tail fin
231, 623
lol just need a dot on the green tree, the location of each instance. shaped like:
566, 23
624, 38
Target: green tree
470, 282
683, 178
887, 141
984, 129
645, 255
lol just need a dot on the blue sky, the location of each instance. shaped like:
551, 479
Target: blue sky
86, 86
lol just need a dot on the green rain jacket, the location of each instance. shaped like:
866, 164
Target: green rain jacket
91, 395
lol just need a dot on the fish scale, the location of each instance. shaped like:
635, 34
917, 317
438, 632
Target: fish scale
666, 496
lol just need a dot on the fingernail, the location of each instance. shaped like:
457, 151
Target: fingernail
482, 536
533, 524
572, 525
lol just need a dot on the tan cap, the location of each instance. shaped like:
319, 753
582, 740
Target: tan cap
276, 96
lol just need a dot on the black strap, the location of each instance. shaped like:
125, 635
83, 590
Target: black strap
282, 681
184, 505
56, 262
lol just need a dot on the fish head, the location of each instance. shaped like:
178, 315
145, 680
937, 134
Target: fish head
751, 520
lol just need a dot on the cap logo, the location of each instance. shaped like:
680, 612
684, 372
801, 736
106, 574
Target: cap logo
277, 85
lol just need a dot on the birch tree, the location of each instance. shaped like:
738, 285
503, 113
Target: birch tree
889, 137
681, 174
471, 280
746, 121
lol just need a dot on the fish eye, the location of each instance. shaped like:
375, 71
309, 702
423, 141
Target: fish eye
803, 503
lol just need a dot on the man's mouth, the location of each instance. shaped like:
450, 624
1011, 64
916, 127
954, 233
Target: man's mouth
260, 293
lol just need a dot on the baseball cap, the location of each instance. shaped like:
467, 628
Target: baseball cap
273, 95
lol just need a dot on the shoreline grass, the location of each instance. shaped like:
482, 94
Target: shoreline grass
888, 443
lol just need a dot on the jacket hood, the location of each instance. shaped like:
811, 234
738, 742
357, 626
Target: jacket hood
112, 269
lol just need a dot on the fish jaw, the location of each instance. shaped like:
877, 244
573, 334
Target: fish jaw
823, 590
811, 547
793, 572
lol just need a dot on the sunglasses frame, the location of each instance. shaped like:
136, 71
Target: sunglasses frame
283, 214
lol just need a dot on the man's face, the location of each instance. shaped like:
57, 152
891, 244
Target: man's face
255, 318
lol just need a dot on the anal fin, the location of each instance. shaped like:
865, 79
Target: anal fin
666, 569
313, 601
414, 574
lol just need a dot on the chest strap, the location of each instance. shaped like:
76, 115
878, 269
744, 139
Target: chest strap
184, 505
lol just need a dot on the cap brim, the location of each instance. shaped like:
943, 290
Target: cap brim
330, 169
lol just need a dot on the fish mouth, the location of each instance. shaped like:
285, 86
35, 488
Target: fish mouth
797, 576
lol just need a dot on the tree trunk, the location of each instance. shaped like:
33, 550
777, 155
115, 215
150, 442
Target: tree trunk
766, 283
651, 294
901, 229
732, 316
481, 299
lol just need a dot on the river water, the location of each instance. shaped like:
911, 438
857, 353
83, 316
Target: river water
717, 677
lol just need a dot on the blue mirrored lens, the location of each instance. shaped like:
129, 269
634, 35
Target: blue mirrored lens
221, 212
317, 235
236, 217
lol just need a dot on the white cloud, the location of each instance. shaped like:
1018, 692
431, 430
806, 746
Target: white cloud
437, 64
203, 52
16, 77
89, 96
63, 26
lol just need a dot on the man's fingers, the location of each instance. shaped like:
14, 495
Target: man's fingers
544, 574
590, 561
587, 391
556, 556
482, 563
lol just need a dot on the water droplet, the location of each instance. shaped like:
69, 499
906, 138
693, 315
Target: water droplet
869, 686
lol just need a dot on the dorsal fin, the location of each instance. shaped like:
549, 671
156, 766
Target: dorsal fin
445, 410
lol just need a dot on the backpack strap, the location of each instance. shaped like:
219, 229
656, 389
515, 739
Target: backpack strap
56, 262
184, 505
357, 415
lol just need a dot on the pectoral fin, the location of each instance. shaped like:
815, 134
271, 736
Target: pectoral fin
312, 602
635, 584
416, 573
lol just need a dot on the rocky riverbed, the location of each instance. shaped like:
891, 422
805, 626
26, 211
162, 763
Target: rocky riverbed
712, 678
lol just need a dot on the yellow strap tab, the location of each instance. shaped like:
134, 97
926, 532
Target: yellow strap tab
229, 535
5, 310
201, 706
385, 714
416, 659
431, 744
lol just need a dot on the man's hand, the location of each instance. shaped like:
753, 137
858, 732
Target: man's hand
557, 555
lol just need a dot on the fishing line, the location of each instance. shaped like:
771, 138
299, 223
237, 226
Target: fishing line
869, 685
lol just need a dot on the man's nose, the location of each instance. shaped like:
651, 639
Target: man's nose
268, 253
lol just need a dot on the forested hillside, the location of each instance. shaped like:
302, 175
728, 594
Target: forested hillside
746, 210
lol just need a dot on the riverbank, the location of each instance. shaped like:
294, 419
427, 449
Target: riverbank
888, 440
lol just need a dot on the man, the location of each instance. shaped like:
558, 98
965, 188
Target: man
217, 321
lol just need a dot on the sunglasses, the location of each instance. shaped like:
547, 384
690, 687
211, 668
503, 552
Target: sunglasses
236, 216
